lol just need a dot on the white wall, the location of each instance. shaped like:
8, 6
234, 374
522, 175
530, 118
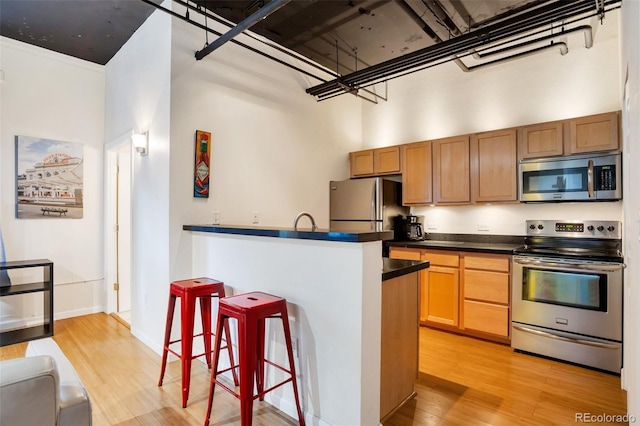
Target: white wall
444, 101
274, 148
333, 293
137, 98
45, 94
630, 61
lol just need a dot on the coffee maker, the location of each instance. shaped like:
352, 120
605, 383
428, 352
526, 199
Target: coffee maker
414, 226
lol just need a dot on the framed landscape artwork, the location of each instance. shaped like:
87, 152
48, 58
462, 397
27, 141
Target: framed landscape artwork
201, 167
49, 178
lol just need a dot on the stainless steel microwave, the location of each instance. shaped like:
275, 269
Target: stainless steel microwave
586, 177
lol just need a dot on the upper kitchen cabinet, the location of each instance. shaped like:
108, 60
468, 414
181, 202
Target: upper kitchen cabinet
541, 140
593, 133
361, 163
580, 135
416, 174
375, 162
494, 174
451, 170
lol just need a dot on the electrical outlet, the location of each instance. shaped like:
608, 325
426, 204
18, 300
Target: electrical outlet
255, 217
216, 218
432, 226
483, 227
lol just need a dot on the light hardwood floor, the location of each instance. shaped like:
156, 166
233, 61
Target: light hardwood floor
462, 381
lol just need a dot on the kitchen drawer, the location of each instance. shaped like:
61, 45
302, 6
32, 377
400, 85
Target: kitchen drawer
487, 263
486, 317
487, 286
404, 253
441, 259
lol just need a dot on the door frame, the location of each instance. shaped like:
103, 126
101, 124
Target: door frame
111, 150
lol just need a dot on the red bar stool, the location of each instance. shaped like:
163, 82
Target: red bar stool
188, 291
251, 310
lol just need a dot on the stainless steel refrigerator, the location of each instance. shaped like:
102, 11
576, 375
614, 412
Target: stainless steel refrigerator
369, 204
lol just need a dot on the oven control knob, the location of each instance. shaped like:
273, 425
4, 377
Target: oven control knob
600, 228
540, 227
611, 228
532, 226
590, 228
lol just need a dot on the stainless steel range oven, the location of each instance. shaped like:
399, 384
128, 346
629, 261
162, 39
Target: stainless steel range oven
567, 292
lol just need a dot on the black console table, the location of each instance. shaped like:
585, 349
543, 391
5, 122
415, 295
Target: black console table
45, 286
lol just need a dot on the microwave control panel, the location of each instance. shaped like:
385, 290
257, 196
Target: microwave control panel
606, 178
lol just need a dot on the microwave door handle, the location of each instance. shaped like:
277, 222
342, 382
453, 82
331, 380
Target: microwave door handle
590, 178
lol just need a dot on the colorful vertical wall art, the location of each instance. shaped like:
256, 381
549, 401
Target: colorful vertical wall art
202, 169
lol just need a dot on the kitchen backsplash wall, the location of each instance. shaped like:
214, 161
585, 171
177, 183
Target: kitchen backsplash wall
509, 219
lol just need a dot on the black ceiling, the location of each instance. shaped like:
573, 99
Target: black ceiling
93, 30
348, 37
326, 31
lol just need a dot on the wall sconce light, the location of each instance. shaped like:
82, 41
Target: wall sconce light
140, 142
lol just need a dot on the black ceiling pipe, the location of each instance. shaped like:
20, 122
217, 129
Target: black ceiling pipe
544, 15
548, 14
247, 23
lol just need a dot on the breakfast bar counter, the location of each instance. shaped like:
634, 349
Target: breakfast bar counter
333, 286
299, 234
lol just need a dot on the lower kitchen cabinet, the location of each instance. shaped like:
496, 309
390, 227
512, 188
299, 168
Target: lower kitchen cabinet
486, 294
468, 293
439, 286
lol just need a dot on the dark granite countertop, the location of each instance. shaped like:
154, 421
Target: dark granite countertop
393, 268
301, 233
499, 244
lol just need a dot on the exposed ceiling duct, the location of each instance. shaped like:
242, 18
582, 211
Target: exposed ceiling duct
303, 27
523, 25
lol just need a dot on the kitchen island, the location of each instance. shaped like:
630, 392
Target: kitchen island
333, 286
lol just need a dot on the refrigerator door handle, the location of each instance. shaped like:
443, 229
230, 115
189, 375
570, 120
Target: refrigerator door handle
377, 207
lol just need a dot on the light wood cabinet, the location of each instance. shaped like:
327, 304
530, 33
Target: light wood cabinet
417, 174
451, 170
486, 294
404, 253
440, 295
361, 163
593, 133
494, 172
541, 140
386, 160
469, 293
375, 162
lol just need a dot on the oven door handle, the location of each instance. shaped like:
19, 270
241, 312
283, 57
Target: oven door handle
586, 267
567, 339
